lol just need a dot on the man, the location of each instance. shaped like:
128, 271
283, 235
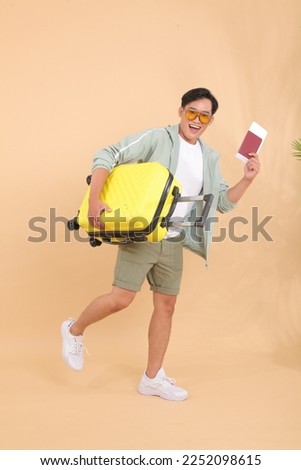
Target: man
195, 165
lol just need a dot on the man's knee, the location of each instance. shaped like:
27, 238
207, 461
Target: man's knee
165, 303
169, 308
122, 298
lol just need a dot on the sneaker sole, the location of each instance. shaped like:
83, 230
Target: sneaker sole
155, 393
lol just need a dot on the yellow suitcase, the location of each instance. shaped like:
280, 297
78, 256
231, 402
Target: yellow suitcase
142, 198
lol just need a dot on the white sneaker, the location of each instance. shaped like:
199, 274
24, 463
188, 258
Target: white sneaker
72, 349
161, 386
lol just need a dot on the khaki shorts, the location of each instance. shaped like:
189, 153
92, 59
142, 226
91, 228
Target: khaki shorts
161, 263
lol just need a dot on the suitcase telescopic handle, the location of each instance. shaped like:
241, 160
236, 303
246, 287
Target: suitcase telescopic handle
200, 222
208, 198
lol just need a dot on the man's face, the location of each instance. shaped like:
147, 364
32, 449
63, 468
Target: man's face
191, 129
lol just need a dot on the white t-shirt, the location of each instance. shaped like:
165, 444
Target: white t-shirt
190, 174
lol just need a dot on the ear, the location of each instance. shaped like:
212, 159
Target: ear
180, 112
212, 119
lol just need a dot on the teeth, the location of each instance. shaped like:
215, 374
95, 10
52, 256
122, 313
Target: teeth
194, 127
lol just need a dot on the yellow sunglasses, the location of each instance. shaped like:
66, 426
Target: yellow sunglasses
190, 114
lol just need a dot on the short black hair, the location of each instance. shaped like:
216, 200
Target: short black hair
197, 94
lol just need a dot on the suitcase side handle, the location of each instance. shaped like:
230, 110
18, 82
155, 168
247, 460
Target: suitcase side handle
176, 197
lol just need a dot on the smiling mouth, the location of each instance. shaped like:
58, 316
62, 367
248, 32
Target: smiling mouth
194, 127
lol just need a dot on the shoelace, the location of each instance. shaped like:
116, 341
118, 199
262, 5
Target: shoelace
170, 380
77, 347
166, 381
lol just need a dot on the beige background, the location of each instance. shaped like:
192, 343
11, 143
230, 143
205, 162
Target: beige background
77, 75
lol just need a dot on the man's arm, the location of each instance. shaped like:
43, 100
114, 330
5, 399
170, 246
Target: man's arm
96, 206
251, 170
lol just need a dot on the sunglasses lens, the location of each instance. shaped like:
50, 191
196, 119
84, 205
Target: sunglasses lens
205, 118
190, 115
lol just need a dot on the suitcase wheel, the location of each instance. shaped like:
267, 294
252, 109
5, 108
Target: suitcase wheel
73, 224
137, 239
94, 242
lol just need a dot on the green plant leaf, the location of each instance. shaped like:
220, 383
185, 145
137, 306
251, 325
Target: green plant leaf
296, 144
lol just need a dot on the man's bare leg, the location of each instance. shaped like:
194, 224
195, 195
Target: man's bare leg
72, 330
154, 381
101, 307
159, 331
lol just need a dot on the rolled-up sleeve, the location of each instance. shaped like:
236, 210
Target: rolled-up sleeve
105, 158
224, 204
